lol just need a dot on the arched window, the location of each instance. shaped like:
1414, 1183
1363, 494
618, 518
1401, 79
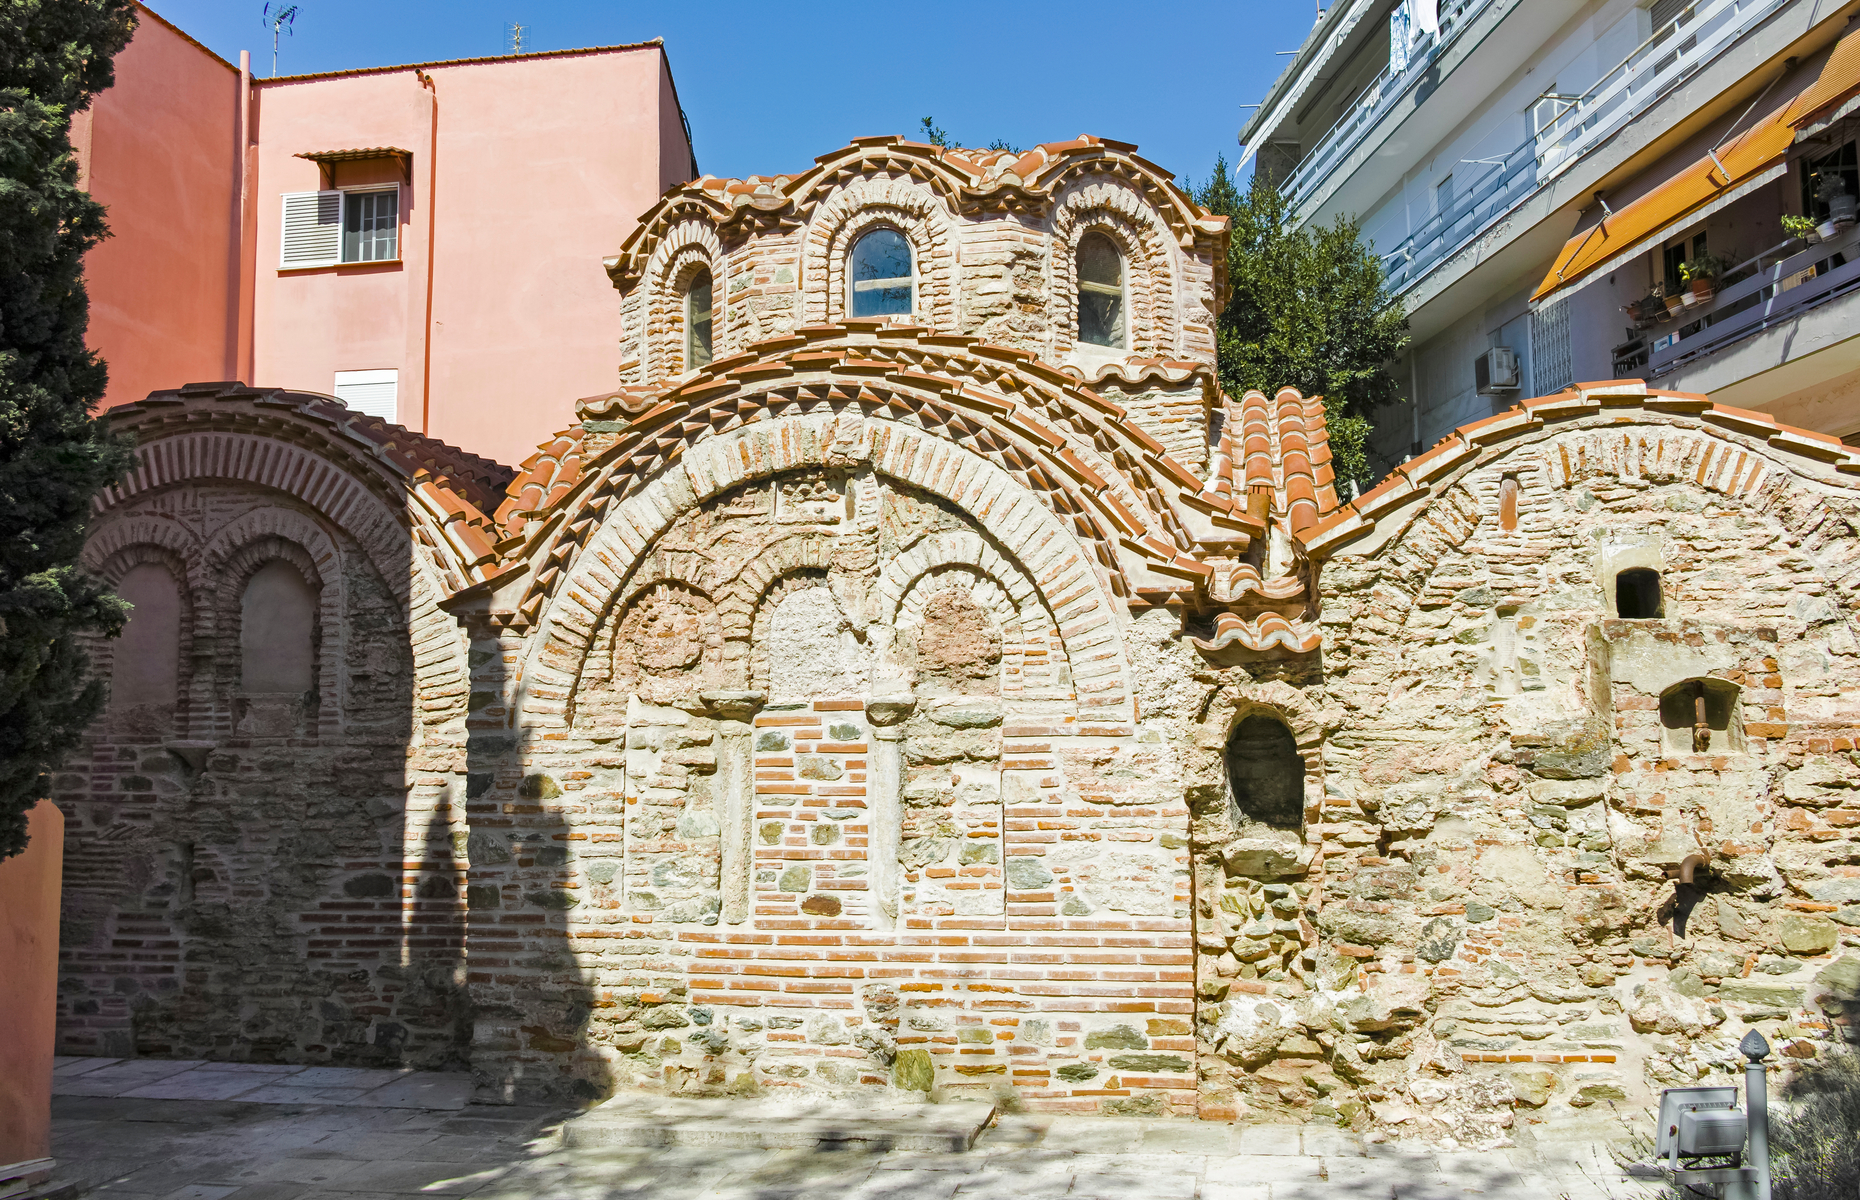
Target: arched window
881, 274
1637, 595
277, 631
147, 669
697, 321
1101, 292
1700, 716
1267, 774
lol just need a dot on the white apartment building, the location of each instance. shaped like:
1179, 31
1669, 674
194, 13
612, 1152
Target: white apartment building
1536, 173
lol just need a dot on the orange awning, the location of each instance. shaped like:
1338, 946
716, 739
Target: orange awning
1763, 146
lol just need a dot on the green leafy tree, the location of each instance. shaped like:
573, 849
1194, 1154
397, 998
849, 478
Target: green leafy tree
937, 136
1308, 310
54, 454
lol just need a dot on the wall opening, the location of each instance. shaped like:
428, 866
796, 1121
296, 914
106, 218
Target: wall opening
1266, 774
277, 631
1508, 503
1637, 595
1700, 716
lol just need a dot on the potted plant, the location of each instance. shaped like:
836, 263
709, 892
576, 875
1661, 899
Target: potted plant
1673, 297
1801, 227
1701, 276
1832, 191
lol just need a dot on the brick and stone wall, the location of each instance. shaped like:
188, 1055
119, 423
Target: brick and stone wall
261, 832
883, 706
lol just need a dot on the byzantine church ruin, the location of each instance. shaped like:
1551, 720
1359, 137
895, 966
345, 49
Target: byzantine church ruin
918, 675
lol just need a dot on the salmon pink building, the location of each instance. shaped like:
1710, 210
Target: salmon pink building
423, 242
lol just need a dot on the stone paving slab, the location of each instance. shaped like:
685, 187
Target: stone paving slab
137, 1148
779, 1123
259, 1083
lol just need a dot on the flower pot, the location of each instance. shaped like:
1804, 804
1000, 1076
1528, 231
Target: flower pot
1674, 304
1828, 229
1841, 208
1688, 298
1700, 291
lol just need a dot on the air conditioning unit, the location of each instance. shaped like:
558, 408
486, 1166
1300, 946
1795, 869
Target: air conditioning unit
1496, 371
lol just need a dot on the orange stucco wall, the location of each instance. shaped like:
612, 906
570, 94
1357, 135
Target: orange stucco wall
524, 174
29, 884
160, 149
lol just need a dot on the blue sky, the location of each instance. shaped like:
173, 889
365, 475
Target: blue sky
768, 86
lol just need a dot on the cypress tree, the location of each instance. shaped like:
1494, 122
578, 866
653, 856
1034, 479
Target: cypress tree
55, 55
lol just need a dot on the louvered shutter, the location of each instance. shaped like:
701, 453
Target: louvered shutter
312, 229
373, 392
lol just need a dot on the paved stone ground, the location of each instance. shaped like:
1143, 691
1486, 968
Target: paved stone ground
125, 1147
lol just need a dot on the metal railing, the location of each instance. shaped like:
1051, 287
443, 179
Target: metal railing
1673, 54
1694, 37
1486, 196
1369, 105
1779, 292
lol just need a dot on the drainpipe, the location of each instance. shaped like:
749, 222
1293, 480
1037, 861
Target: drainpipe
426, 333
245, 236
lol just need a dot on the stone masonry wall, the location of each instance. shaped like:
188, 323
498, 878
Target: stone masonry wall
263, 876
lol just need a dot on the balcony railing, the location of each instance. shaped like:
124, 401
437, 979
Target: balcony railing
1374, 100
1672, 55
1695, 36
1779, 292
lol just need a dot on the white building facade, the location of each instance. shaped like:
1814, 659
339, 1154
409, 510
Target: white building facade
1536, 175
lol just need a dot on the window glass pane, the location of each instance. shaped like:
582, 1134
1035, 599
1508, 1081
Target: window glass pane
1101, 292
371, 226
1099, 261
697, 322
881, 274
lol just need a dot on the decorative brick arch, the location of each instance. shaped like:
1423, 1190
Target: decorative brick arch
1007, 511
741, 608
1111, 207
689, 246
269, 462
942, 549
865, 204
112, 537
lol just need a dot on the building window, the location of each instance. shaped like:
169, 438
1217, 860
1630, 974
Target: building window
371, 225
1677, 253
881, 274
277, 631
697, 321
1637, 595
328, 228
376, 393
1101, 292
1842, 165
1266, 773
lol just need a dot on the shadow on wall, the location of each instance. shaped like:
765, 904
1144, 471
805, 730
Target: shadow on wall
260, 850
532, 1000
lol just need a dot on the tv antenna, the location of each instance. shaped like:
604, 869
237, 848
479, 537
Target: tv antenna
513, 36
281, 18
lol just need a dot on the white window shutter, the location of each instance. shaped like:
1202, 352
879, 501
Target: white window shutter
373, 392
312, 229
